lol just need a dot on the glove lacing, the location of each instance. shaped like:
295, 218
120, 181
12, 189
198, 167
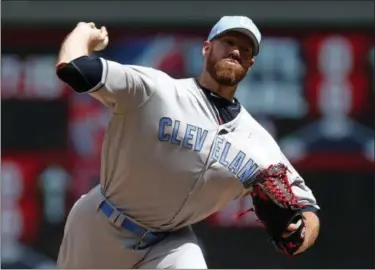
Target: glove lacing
273, 188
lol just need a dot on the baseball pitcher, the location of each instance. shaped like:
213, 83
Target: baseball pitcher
175, 152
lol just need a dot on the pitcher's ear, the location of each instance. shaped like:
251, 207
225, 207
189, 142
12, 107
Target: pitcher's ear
206, 48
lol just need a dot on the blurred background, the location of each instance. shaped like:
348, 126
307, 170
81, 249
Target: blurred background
312, 87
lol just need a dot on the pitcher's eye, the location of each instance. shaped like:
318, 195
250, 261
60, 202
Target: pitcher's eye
229, 42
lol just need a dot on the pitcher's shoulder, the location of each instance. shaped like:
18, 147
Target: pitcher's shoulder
189, 85
187, 82
251, 124
247, 118
149, 71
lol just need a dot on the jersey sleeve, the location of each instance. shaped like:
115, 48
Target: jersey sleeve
269, 152
299, 187
125, 87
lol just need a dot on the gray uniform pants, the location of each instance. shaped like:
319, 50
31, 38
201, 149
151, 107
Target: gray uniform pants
91, 241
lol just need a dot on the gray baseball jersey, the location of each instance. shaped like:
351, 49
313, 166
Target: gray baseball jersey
166, 159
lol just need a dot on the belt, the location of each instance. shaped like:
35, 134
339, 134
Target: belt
117, 217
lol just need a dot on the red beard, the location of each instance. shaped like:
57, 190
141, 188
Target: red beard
225, 72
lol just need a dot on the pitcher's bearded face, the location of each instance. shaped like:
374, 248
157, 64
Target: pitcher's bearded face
228, 58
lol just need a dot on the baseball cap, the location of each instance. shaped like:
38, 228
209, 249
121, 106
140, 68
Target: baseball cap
237, 23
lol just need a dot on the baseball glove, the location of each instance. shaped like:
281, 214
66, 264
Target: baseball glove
277, 207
